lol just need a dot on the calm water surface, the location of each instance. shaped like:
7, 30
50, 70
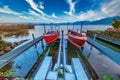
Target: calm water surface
39, 30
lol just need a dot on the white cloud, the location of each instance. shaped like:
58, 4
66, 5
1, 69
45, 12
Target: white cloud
72, 7
31, 12
23, 17
107, 9
30, 16
90, 15
111, 8
7, 10
36, 15
35, 6
54, 16
41, 5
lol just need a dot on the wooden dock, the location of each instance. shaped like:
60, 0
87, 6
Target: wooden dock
5, 59
46, 73
106, 51
78, 70
107, 40
43, 70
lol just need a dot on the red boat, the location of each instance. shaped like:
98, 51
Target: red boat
51, 36
76, 39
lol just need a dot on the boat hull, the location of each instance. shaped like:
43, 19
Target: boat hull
78, 40
49, 38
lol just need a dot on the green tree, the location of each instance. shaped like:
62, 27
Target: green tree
116, 24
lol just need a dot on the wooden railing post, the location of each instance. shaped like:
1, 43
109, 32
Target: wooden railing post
35, 45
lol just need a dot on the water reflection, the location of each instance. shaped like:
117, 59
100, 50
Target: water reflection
101, 63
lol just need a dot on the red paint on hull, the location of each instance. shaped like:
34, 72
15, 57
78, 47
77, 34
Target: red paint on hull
77, 39
49, 38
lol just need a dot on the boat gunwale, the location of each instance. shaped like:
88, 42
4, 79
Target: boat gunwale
78, 37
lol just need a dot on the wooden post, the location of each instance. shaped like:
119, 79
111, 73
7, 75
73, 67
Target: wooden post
55, 26
34, 39
59, 27
44, 29
95, 36
91, 47
35, 45
67, 26
63, 70
73, 26
51, 25
81, 27
42, 44
62, 36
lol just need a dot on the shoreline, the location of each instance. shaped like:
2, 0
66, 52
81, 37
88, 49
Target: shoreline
11, 46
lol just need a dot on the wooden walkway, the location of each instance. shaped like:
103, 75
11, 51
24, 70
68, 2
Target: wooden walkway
44, 69
78, 69
5, 59
106, 51
110, 41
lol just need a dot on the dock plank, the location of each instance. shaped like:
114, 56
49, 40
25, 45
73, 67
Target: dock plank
78, 69
69, 76
59, 55
106, 51
43, 70
5, 59
110, 41
52, 75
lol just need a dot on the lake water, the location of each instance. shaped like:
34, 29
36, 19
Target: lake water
39, 30
100, 63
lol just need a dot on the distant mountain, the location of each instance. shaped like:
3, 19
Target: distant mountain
104, 21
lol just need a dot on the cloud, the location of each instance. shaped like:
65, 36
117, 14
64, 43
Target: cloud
24, 17
111, 8
35, 6
31, 12
72, 7
35, 13
90, 15
107, 9
54, 16
41, 5
30, 16
7, 10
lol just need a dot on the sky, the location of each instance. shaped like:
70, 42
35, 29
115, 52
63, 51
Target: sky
57, 11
